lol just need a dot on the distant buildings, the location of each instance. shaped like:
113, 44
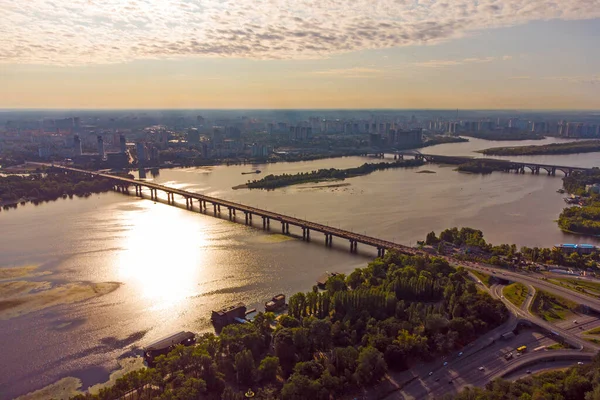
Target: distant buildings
100, 146
193, 136
76, 146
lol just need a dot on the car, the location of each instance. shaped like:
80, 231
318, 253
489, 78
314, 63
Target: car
528, 371
445, 363
437, 379
431, 373
501, 297
450, 381
575, 321
460, 354
481, 368
579, 363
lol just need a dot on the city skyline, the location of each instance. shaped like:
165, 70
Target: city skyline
311, 55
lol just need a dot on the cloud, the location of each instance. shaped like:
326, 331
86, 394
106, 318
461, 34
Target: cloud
577, 79
111, 31
356, 72
452, 63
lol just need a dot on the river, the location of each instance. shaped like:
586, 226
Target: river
174, 266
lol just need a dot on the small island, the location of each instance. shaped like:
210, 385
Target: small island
504, 136
324, 175
47, 185
584, 146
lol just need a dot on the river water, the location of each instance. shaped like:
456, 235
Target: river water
175, 266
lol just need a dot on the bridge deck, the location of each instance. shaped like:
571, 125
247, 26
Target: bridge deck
325, 229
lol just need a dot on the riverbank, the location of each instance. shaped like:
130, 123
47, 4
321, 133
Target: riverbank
325, 175
47, 186
586, 146
584, 220
504, 136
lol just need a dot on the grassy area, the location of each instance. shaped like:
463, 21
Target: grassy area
516, 293
581, 284
550, 307
485, 278
558, 346
595, 331
593, 340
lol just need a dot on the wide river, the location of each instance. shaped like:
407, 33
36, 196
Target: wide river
175, 266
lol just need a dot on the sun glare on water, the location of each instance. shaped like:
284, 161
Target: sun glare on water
162, 254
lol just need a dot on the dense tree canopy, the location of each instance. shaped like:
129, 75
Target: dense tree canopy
398, 311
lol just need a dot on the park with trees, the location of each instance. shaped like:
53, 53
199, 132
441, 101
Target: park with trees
331, 174
469, 244
389, 316
47, 185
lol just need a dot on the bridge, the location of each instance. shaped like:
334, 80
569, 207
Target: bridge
219, 206
504, 165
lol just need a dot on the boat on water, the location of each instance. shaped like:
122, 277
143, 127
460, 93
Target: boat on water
561, 191
322, 280
166, 344
276, 303
230, 315
258, 171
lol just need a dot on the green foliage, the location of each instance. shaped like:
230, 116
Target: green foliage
516, 293
551, 307
50, 185
244, 367
277, 181
402, 310
575, 383
583, 146
269, 369
371, 366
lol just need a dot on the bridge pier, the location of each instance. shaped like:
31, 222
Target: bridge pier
380, 252
246, 215
353, 246
328, 240
215, 208
230, 213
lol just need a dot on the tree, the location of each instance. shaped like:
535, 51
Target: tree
431, 239
269, 368
335, 284
371, 366
244, 367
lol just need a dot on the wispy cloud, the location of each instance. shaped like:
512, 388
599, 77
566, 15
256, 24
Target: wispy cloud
577, 79
356, 72
109, 31
452, 63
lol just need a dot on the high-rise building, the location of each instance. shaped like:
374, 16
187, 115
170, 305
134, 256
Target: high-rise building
100, 147
76, 146
140, 149
193, 136
122, 144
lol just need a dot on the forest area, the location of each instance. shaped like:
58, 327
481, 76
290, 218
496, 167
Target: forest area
396, 312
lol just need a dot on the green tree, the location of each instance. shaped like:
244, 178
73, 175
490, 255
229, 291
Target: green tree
244, 367
431, 239
269, 368
371, 366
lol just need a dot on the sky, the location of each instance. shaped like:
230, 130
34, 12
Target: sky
433, 54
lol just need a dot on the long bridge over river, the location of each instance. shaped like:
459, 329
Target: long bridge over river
504, 165
220, 206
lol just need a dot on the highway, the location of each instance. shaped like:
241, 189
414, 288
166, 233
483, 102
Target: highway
489, 352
